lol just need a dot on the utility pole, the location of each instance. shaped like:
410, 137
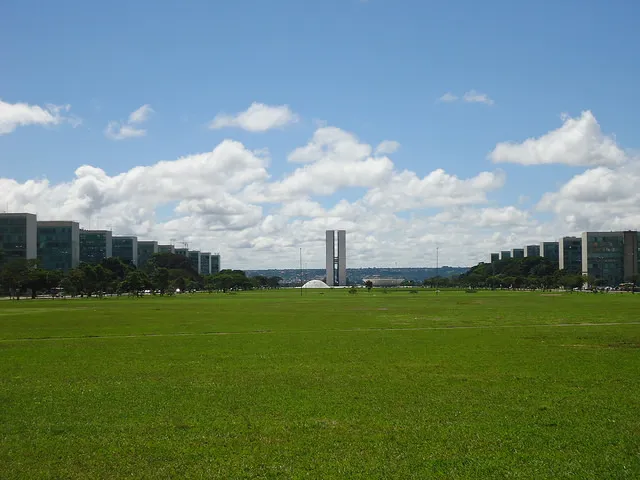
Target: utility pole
301, 280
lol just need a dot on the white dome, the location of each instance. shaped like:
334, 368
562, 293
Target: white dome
315, 284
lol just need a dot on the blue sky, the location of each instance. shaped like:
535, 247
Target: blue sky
375, 69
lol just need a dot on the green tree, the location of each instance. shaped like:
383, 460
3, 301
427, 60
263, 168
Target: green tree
369, 285
135, 282
73, 282
15, 276
160, 280
37, 281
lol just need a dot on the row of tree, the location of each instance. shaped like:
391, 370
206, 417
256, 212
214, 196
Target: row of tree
517, 273
164, 273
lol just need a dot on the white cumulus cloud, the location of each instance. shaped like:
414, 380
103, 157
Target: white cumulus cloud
476, 97
258, 211
471, 96
141, 115
14, 115
387, 147
257, 118
448, 98
578, 142
118, 130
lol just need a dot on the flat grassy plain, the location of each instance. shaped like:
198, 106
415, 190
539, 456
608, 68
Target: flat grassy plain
323, 385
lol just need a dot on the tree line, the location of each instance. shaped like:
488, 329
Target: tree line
163, 274
517, 273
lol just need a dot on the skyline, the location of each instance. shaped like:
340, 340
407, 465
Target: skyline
255, 128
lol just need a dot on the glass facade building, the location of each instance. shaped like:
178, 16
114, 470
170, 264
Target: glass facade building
125, 248
505, 254
194, 259
517, 253
18, 236
495, 257
550, 250
166, 249
215, 263
631, 256
603, 256
95, 245
205, 263
58, 245
63, 245
532, 251
570, 254
146, 250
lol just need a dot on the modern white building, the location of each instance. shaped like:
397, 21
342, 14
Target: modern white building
336, 257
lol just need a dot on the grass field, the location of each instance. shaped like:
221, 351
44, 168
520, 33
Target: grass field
332, 385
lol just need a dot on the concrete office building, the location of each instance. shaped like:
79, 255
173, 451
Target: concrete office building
95, 245
18, 236
182, 251
146, 250
205, 263
215, 263
570, 254
505, 254
610, 257
125, 248
532, 251
58, 245
336, 258
166, 249
495, 257
517, 253
550, 250
194, 259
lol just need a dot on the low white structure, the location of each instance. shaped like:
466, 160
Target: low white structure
315, 284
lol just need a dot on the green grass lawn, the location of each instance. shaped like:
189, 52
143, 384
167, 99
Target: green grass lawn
323, 385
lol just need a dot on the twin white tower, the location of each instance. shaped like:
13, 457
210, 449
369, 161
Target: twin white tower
336, 258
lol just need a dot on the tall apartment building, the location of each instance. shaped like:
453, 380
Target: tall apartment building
611, 257
125, 248
18, 236
505, 254
550, 250
146, 250
517, 253
205, 263
532, 251
570, 254
215, 263
58, 245
495, 257
95, 245
166, 249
